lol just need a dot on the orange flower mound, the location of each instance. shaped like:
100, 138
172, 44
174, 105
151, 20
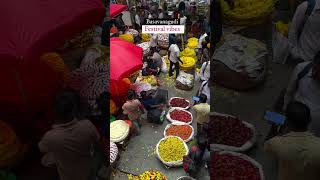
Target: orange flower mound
56, 63
182, 131
113, 107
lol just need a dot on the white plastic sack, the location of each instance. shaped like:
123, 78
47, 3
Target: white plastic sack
185, 79
133, 32
169, 125
175, 121
245, 157
244, 147
139, 87
163, 40
145, 47
180, 107
280, 47
175, 163
241, 54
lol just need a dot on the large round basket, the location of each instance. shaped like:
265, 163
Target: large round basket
244, 147
185, 178
174, 163
180, 107
175, 121
245, 157
119, 131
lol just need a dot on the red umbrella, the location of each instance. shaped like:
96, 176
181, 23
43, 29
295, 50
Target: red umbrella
125, 59
116, 9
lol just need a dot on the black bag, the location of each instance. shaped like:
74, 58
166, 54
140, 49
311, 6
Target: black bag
154, 116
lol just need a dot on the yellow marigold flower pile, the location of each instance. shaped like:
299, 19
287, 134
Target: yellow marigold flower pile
172, 149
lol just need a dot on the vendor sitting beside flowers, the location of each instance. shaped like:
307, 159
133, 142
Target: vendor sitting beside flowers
153, 64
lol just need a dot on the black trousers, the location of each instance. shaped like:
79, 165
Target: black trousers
177, 68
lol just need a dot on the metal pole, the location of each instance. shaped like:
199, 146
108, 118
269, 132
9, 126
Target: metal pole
20, 87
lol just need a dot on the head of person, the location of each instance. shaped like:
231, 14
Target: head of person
204, 44
66, 105
207, 39
174, 40
143, 94
131, 94
202, 98
142, 12
316, 67
298, 116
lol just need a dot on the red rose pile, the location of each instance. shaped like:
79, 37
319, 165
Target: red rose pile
228, 166
180, 115
228, 131
179, 102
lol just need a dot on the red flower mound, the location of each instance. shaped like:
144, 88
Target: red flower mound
179, 102
228, 131
228, 166
179, 115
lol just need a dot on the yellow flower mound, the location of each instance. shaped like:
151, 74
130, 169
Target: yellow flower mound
192, 43
152, 80
127, 37
148, 175
188, 52
193, 39
247, 12
172, 149
282, 28
188, 63
145, 37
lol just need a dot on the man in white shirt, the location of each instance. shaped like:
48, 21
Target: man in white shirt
201, 39
205, 71
304, 33
174, 58
204, 89
304, 86
138, 23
